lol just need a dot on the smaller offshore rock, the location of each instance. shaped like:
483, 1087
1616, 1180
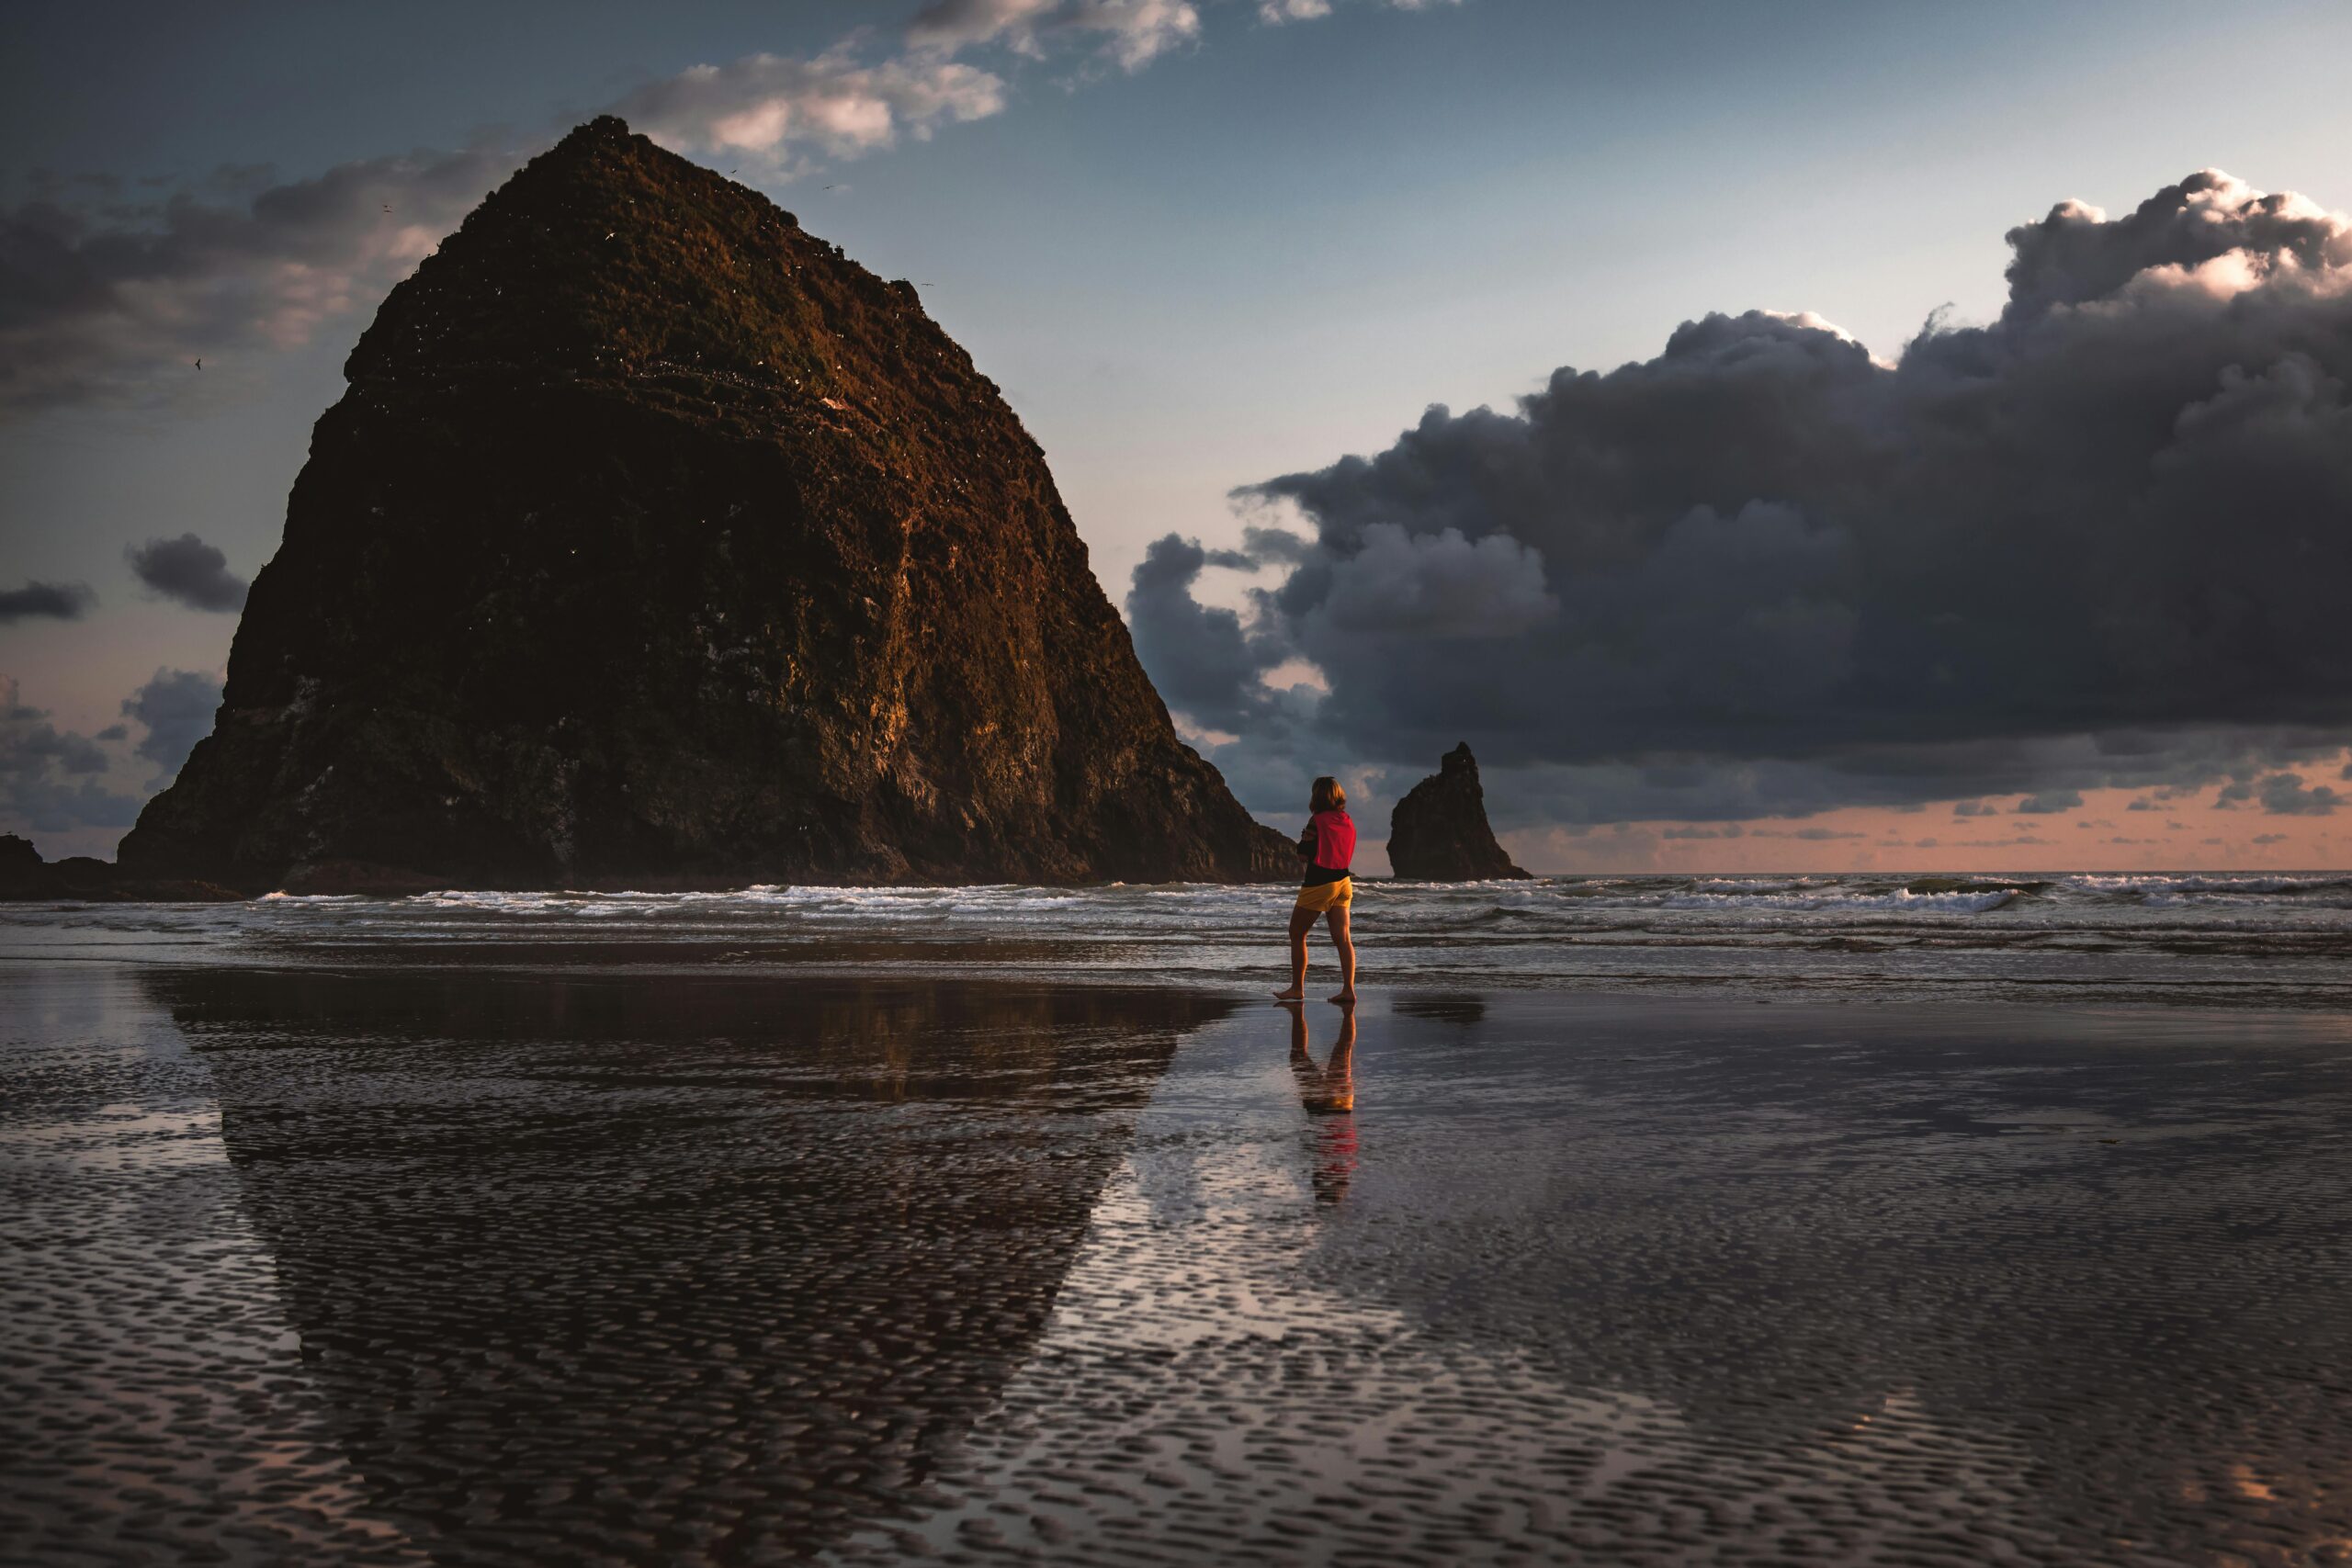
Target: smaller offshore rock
1438, 831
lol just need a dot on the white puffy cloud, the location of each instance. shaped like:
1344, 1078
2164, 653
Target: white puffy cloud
1274, 12
782, 108
1131, 32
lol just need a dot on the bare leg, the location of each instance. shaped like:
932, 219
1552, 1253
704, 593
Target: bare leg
1337, 920
1301, 922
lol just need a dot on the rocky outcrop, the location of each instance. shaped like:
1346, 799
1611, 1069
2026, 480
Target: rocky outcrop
25, 877
657, 543
1438, 831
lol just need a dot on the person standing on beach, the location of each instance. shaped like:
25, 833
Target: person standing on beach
1326, 847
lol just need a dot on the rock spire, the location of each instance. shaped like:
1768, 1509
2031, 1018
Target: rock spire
1438, 831
655, 543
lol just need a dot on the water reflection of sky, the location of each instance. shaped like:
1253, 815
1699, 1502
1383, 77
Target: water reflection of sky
497, 1266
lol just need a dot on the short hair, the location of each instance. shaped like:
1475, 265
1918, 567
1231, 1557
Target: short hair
1328, 796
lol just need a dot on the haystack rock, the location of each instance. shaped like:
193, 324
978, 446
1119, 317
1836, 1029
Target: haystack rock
657, 543
1438, 831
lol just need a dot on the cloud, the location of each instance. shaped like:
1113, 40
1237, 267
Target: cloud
120, 302
56, 600
1131, 32
1437, 587
2050, 801
51, 781
779, 108
106, 296
2285, 794
177, 706
1205, 664
2094, 543
188, 571
1274, 12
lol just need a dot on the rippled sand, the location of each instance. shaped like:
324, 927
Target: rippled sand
431, 1265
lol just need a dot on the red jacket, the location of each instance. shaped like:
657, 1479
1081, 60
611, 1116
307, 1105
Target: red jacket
1330, 839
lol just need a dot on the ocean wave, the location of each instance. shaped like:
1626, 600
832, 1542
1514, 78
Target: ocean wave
1898, 899
2213, 885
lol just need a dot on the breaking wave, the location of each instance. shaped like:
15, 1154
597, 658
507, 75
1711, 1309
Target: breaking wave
2231, 938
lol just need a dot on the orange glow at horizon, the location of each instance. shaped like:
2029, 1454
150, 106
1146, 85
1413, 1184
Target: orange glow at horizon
2111, 830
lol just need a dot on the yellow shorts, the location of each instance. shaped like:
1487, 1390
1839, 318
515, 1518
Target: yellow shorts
1329, 896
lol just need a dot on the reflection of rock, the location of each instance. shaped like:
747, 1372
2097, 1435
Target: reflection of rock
642, 1269
1438, 831
656, 543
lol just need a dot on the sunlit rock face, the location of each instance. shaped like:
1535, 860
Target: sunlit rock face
1438, 831
655, 542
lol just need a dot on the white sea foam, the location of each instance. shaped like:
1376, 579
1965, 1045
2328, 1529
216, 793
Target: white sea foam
2286, 937
1897, 900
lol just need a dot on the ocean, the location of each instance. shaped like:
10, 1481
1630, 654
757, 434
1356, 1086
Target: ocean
2209, 938
867, 1227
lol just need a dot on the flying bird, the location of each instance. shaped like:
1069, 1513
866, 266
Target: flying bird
199, 364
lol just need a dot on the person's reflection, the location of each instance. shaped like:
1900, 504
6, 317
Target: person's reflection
1328, 1093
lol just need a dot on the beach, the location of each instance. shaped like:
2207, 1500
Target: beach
541, 1249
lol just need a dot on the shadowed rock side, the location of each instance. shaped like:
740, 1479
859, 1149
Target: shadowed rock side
664, 1268
657, 543
1438, 831
24, 878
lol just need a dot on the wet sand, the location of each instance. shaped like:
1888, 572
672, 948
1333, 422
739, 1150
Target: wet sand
431, 1265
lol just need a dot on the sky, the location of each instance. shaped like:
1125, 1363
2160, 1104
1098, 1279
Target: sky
1555, 377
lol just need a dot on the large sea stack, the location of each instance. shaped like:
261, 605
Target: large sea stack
1438, 831
656, 543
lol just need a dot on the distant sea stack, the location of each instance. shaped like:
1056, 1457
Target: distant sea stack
657, 543
1438, 831
25, 877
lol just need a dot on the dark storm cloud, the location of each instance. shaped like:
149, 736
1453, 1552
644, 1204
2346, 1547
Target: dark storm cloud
1204, 665
55, 601
2050, 803
100, 303
51, 781
2100, 541
2285, 794
176, 707
188, 571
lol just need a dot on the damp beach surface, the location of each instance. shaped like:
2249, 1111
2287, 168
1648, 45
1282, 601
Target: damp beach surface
514, 1255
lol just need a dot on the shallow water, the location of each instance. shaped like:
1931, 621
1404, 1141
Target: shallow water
2248, 940
358, 1261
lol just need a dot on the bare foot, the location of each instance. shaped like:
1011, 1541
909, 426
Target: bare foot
1290, 996
1345, 998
